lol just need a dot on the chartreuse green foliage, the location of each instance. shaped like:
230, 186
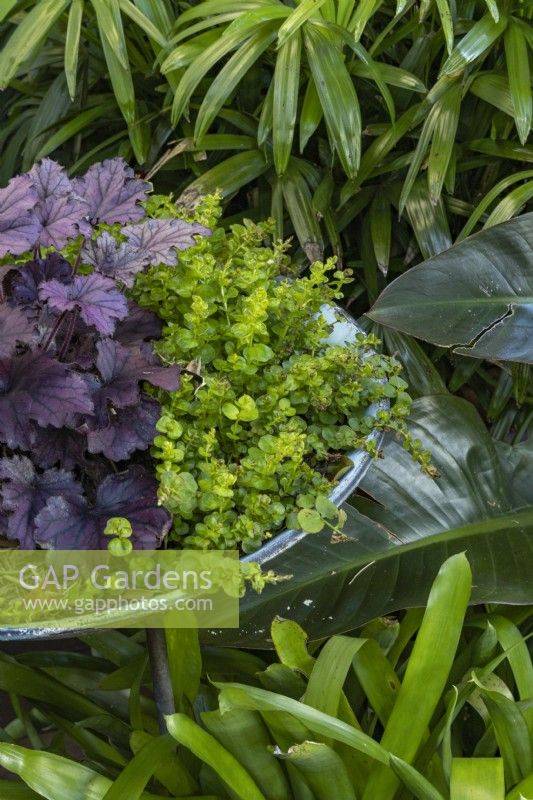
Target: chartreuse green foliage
256, 431
432, 705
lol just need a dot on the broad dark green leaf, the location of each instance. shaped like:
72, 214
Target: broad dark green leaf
399, 539
477, 297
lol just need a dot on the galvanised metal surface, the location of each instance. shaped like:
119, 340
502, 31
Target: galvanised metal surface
345, 329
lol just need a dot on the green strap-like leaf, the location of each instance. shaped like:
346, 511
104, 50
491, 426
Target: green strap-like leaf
285, 100
244, 735
111, 28
211, 752
310, 115
131, 782
199, 67
442, 143
72, 44
302, 12
28, 35
228, 176
476, 42
337, 97
421, 788
234, 695
142, 21
227, 79
517, 58
322, 768
427, 671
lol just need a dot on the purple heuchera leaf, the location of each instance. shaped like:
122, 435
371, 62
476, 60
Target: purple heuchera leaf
19, 226
96, 298
15, 328
116, 260
59, 210
121, 370
112, 192
49, 178
25, 288
60, 219
158, 239
68, 524
36, 387
52, 446
138, 326
25, 492
128, 430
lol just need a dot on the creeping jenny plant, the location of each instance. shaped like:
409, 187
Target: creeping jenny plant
266, 408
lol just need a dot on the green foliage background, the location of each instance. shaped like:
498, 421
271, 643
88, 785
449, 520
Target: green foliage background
378, 131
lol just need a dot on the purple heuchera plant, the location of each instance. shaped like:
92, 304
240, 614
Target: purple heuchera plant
75, 419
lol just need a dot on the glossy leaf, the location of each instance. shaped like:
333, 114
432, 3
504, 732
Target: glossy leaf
206, 747
337, 97
285, 100
405, 532
478, 39
28, 35
322, 768
427, 671
517, 57
476, 297
72, 45
477, 779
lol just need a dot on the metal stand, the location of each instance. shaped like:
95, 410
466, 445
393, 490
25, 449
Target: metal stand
163, 694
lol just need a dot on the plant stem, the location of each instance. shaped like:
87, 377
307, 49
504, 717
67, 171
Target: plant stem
69, 334
54, 330
163, 694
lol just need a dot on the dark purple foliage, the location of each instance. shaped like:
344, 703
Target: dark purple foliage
25, 492
15, 328
75, 356
116, 260
159, 239
19, 226
121, 370
25, 286
65, 446
128, 429
112, 192
71, 524
34, 386
138, 326
59, 210
96, 298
